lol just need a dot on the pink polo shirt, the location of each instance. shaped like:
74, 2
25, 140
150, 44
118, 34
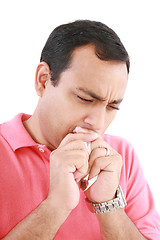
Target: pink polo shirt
24, 184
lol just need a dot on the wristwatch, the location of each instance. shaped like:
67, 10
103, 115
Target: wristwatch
118, 202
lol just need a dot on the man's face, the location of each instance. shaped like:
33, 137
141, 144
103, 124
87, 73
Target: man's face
87, 95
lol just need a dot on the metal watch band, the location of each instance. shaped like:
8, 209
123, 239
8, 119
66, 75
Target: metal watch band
118, 202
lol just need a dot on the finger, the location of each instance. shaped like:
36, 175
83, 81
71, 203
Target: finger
100, 143
85, 137
97, 153
81, 169
109, 164
76, 162
76, 145
101, 164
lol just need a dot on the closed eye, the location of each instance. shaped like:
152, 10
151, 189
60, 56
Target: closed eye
113, 107
91, 101
85, 99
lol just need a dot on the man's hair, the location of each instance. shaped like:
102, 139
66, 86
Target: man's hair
64, 39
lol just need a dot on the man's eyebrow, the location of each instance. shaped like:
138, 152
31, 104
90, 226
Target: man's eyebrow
91, 94
97, 97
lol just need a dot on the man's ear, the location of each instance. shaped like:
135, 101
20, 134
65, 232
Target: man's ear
42, 78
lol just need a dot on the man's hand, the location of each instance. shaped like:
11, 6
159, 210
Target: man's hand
105, 163
68, 165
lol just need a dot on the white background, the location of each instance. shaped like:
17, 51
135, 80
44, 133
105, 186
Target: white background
24, 28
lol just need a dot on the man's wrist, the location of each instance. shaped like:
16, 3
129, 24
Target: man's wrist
118, 202
55, 209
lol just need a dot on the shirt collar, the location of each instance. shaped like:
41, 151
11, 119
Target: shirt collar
15, 133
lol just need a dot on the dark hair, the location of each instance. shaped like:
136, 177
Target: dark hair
58, 49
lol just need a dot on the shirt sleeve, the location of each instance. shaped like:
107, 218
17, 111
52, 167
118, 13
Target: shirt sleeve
140, 203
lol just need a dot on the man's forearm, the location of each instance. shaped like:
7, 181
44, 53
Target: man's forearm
41, 224
116, 225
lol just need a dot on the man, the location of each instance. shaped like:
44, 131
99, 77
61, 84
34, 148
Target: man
45, 194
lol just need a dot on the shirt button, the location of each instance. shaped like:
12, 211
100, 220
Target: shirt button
41, 149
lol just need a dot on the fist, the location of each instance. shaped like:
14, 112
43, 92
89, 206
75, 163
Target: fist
106, 164
68, 165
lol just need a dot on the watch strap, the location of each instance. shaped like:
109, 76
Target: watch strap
116, 203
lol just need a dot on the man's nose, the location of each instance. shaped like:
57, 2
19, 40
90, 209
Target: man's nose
96, 119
